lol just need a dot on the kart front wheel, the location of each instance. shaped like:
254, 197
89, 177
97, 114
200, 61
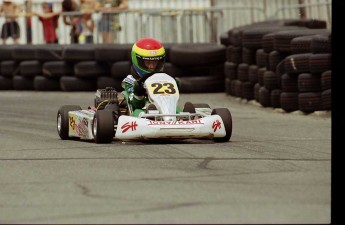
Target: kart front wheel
103, 126
225, 114
62, 120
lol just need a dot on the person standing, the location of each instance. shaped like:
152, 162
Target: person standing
10, 28
72, 6
110, 23
87, 7
49, 20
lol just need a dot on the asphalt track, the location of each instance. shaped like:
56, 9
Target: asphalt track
275, 169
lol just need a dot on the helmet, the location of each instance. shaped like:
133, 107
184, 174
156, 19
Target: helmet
148, 56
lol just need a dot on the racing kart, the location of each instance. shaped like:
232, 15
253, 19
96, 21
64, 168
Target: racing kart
112, 116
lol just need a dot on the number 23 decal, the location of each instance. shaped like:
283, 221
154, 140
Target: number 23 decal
163, 88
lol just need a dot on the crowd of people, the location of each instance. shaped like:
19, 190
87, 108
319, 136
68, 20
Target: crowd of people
75, 13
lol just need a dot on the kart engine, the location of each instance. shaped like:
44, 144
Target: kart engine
105, 96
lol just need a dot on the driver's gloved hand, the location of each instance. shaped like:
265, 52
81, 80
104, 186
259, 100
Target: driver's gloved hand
138, 89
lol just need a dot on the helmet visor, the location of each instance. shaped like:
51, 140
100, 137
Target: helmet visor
151, 64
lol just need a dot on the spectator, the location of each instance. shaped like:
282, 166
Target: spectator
87, 7
86, 32
110, 23
49, 21
10, 28
28, 6
72, 20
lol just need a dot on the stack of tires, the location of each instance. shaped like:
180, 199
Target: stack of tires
95, 66
199, 66
280, 64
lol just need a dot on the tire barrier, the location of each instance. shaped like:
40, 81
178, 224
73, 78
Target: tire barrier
291, 67
90, 67
281, 64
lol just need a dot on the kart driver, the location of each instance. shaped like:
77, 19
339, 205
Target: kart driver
148, 57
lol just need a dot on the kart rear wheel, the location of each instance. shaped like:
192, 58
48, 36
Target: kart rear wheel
189, 107
103, 126
62, 120
225, 114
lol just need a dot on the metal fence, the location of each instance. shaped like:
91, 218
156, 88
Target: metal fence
181, 21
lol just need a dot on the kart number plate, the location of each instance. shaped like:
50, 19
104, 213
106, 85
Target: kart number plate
162, 88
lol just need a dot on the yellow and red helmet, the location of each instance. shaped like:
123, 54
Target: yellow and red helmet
148, 56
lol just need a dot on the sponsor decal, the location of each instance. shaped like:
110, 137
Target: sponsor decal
153, 52
79, 126
153, 123
129, 125
71, 122
216, 124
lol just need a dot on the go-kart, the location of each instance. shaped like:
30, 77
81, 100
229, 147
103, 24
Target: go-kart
112, 116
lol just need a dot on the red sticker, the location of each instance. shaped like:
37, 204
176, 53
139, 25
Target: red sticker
129, 125
216, 124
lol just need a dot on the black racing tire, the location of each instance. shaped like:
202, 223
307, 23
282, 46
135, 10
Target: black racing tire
120, 69
91, 69
103, 126
57, 69
188, 107
51, 52
310, 101
326, 80
71, 83
202, 84
233, 54
248, 56
78, 53
321, 44
271, 80
265, 97
6, 83
23, 83
297, 63
103, 82
230, 70
62, 120
30, 68
267, 42
113, 52
42, 83
9, 68
197, 54
24, 52
275, 98
225, 114
6, 52
261, 58
247, 90
301, 44
253, 74
289, 101
319, 63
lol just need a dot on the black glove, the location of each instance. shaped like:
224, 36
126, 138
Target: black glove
138, 89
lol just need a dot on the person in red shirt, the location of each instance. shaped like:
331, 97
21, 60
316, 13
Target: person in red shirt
49, 21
